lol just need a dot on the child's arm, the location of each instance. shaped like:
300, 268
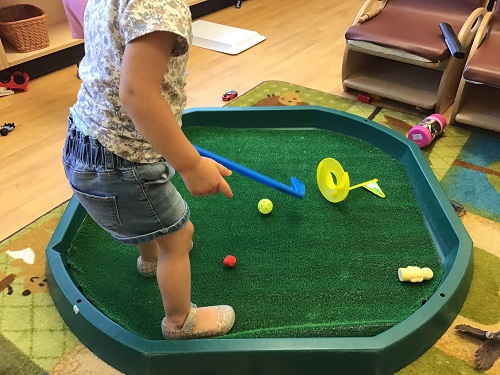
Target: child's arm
145, 61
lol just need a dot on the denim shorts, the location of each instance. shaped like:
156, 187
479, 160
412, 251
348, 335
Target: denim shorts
134, 202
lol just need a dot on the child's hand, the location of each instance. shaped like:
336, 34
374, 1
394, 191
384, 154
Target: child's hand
207, 177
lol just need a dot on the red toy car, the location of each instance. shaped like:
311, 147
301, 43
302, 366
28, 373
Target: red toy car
230, 95
15, 81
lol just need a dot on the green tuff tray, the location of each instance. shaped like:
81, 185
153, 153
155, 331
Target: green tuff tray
384, 353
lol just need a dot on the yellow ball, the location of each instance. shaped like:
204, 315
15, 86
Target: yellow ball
265, 206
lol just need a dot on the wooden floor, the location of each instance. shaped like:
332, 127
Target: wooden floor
304, 46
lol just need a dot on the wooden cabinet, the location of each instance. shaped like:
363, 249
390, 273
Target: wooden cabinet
59, 32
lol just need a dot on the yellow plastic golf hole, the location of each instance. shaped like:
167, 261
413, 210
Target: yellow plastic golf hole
336, 190
333, 190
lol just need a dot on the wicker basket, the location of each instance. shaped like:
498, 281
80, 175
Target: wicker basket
24, 26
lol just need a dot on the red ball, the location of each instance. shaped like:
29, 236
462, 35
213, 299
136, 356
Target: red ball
229, 261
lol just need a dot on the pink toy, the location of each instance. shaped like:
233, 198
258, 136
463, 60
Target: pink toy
423, 133
75, 10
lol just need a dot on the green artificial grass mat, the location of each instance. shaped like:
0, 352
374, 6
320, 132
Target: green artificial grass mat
310, 268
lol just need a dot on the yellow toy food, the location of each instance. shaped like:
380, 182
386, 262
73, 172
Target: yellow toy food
415, 274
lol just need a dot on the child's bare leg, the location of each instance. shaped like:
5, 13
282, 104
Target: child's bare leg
174, 275
149, 251
174, 279
147, 262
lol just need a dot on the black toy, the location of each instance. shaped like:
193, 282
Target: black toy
459, 209
7, 128
489, 350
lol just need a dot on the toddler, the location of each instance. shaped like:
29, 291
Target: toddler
124, 144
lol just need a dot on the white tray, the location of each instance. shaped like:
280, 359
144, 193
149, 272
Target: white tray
221, 38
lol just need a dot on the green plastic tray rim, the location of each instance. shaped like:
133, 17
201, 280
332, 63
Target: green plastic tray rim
381, 354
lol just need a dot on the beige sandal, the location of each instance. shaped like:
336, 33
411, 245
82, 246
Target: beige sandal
225, 321
146, 268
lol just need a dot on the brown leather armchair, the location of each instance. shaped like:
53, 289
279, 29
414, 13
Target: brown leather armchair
477, 102
396, 50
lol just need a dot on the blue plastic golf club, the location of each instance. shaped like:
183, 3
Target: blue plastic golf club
297, 189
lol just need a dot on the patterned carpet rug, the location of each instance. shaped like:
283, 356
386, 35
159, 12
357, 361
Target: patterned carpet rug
35, 340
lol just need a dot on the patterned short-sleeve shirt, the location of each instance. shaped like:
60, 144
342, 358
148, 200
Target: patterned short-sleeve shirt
109, 25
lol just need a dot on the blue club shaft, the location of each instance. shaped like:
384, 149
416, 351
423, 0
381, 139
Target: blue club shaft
297, 189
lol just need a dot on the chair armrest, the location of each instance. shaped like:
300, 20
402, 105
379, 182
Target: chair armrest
366, 12
470, 27
451, 40
481, 34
